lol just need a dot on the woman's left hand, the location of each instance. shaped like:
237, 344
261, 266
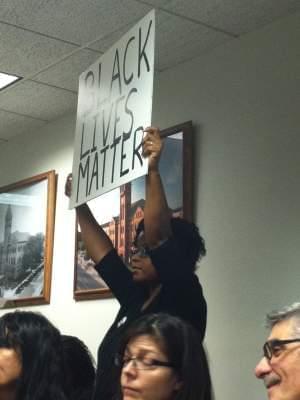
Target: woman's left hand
152, 147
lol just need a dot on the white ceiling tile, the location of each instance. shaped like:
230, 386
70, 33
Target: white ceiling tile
23, 52
66, 73
106, 42
13, 124
235, 16
38, 101
72, 20
179, 40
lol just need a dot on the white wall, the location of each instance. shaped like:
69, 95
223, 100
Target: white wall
242, 100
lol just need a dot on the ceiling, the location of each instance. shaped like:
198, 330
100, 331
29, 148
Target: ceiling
50, 42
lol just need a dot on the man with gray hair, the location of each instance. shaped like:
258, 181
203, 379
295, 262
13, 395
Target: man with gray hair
280, 366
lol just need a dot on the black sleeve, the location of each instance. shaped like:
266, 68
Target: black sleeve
117, 277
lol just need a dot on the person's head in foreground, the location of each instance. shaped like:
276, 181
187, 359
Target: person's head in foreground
31, 363
280, 366
161, 358
187, 237
80, 369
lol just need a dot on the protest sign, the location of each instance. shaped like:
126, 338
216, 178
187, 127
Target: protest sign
114, 105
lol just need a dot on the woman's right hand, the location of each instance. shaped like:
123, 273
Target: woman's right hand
68, 186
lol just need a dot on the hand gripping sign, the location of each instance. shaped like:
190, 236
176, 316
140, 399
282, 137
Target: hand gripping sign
114, 105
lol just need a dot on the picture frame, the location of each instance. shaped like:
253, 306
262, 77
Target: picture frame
125, 208
27, 213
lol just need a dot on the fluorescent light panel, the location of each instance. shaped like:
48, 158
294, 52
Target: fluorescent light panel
6, 79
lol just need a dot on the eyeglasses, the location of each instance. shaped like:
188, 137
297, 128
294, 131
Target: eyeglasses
141, 251
275, 346
141, 363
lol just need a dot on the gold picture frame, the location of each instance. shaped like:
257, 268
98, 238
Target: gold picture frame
27, 213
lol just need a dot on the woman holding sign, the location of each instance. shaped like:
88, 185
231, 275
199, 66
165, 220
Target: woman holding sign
163, 262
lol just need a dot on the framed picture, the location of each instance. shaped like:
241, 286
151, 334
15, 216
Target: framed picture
27, 210
119, 211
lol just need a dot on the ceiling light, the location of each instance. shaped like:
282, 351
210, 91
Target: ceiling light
6, 79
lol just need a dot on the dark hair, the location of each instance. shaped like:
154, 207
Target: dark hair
38, 343
188, 237
80, 369
183, 348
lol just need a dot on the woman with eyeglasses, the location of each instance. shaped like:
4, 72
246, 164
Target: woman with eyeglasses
162, 267
161, 358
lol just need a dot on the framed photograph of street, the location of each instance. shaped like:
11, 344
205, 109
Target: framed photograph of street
27, 210
120, 210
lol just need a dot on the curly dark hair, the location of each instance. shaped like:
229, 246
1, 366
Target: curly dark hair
188, 238
38, 343
183, 347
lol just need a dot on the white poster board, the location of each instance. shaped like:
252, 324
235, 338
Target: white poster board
114, 105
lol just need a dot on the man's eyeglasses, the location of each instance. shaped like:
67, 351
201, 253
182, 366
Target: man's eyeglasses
275, 346
141, 363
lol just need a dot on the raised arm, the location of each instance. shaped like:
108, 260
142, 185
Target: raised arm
157, 217
95, 239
